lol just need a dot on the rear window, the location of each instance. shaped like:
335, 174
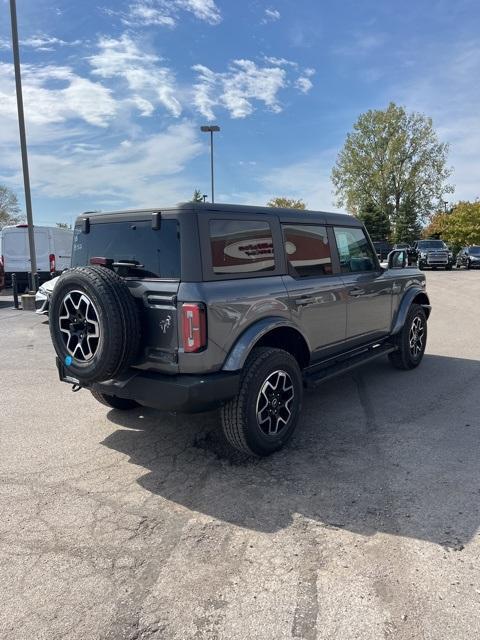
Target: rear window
241, 246
155, 252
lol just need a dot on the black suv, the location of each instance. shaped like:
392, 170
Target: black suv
203, 306
432, 254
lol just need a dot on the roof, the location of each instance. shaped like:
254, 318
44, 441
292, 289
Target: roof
287, 214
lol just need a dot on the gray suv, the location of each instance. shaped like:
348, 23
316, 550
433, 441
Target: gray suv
209, 305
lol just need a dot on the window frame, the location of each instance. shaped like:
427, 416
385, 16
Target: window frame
290, 270
210, 275
377, 268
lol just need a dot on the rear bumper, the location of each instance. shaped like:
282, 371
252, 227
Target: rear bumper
182, 393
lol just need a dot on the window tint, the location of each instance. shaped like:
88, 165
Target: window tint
307, 250
241, 246
354, 250
156, 251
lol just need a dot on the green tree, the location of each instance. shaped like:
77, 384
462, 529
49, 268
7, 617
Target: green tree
408, 227
459, 228
288, 203
9, 207
197, 196
392, 158
376, 221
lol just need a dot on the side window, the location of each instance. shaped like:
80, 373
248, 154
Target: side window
354, 250
307, 249
241, 246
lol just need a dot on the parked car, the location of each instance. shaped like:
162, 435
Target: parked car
43, 296
210, 305
469, 257
53, 249
382, 248
432, 254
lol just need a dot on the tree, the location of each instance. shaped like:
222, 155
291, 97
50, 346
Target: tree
288, 203
459, 228
197, 196
394, 160
408, 227
63, 225
9, 207
376, 221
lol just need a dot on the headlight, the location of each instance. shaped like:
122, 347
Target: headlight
423, 254
42, 291
450, 254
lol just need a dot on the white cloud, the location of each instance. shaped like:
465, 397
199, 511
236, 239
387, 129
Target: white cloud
303, 84
141, 171
280, 62
77, 97
243, 83
238, 87
203, 9
151, 83
167, 12
271, 15
41, 42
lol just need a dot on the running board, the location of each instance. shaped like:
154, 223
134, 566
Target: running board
314, 378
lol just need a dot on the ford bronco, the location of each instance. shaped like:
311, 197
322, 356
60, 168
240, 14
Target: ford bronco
206, 306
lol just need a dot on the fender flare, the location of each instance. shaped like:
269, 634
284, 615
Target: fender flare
405, 304
238, 354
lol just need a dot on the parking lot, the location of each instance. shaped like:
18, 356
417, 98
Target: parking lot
129, 525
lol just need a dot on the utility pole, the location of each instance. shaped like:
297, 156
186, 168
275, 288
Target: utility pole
23, 141
211, 129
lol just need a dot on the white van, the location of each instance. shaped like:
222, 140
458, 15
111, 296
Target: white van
53, 248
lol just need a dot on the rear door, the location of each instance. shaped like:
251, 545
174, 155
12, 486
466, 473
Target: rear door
61, 247
42, 249
314, 288
150, 262
15, 250
368, 290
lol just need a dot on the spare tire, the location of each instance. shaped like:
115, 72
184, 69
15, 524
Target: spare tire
94, 323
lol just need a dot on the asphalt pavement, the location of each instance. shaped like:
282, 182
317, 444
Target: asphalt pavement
129, 525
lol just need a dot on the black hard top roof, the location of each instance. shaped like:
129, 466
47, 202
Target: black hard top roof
222, 208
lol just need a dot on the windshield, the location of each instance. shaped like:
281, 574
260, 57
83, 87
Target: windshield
475, 251
431, 244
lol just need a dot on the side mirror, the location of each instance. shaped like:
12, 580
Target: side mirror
397, 259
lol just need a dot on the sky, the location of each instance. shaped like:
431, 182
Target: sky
115, 93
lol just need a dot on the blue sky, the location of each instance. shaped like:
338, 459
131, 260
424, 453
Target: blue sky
115, 93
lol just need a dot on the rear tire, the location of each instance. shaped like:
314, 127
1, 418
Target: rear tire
411, 341
114, 402
263, 415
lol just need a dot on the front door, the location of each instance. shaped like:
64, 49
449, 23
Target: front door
368, 290
315, 292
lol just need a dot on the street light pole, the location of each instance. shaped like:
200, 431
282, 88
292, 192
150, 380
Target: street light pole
23, 141
211, 129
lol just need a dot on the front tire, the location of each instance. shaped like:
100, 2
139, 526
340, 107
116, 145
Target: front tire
411, 341
114, 402
264, 413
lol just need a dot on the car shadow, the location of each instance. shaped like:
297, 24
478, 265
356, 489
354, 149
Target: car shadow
379, 450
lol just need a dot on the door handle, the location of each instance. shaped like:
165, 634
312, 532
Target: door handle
356, 292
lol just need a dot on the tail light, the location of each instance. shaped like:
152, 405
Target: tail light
194, 327
51, 257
